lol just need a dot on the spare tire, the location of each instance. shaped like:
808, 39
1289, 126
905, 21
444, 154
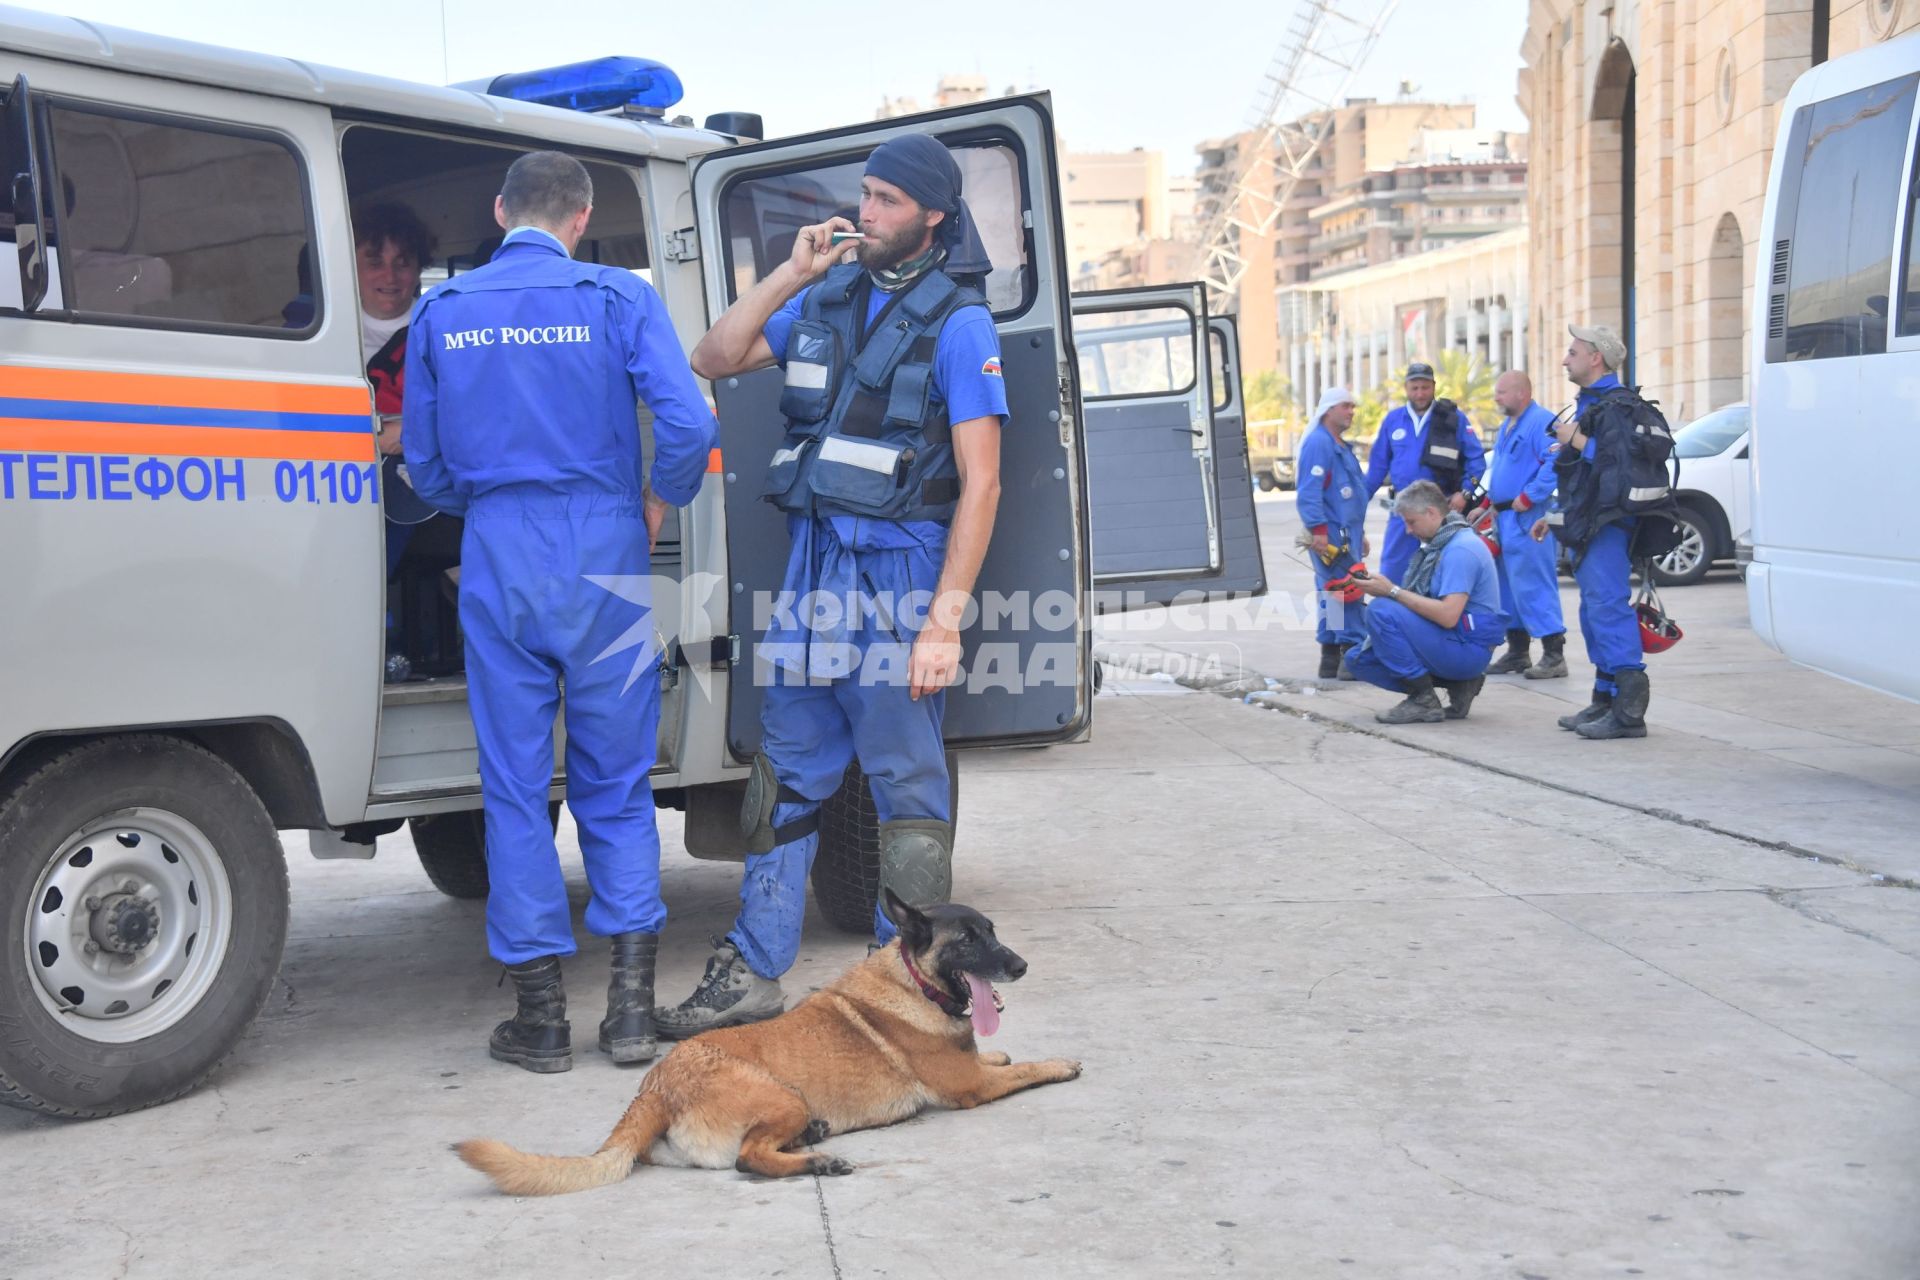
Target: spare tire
846, 870
453, 849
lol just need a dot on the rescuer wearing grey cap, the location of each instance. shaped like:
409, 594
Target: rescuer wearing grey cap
1615, 506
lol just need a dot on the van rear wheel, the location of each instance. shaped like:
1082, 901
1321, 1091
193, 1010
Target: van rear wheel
453, 849
143, 912
846, 870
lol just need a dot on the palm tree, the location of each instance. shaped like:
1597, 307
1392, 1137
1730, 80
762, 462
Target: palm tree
1467, 382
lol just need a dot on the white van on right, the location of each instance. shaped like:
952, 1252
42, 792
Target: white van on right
1835, 578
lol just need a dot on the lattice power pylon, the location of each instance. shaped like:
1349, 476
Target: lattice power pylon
1326, 44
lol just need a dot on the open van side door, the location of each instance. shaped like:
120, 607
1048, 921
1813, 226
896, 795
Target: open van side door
1169, 488
1026, 659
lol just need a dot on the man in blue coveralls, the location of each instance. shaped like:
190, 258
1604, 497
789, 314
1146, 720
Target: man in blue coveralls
1331, 496
1614, 505
890, 478
1520, 480
1423, 439
1439, 626
522, 389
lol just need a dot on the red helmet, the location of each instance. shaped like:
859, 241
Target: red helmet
1658, 632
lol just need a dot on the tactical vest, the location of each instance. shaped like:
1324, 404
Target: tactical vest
1441, 451
867, 433
1628, 475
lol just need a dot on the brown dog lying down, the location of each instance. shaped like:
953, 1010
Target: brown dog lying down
891, 1037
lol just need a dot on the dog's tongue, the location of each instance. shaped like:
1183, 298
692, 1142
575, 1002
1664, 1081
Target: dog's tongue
986, 1010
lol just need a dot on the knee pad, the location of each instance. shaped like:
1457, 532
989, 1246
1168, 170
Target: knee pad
916, 860
764, 791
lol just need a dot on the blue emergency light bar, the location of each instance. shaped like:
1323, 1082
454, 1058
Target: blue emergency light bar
601, 85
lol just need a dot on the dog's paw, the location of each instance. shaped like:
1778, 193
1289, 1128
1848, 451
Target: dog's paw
1067, 1067
995, 1058
828, 1166
816, 1131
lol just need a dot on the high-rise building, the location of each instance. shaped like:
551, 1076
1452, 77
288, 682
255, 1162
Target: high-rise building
1364, 136
1456, 185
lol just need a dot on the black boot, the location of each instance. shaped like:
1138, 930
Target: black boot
1343, 671
626, 1033
1553, 658
537, 1036
1421, 705
1627, 718
1515, 659
1329, 661
1601, 704
1460, 695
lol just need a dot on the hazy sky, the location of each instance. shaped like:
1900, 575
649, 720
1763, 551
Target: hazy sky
1123, 73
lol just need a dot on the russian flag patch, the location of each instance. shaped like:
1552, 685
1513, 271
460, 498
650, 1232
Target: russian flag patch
992, 367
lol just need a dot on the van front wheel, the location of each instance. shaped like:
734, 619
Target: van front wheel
846, 870
143, 911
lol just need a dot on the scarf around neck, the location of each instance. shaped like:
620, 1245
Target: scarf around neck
1420, 574
895, 278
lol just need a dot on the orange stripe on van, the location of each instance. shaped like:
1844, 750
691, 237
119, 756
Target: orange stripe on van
94, 385
25, 434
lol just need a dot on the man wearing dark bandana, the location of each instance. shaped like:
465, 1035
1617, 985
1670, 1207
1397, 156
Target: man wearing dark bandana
890, 478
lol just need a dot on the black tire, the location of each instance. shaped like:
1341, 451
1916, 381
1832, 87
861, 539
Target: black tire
846, 870
1688, 563
63, 1064
1267, 483
453, 850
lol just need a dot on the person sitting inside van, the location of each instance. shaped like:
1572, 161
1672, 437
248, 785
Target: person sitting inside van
390, 245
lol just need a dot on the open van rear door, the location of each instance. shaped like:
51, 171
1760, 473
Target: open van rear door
1027, 660
1170, 489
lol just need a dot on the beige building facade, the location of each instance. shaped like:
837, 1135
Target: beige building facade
1652, 133
1114, 199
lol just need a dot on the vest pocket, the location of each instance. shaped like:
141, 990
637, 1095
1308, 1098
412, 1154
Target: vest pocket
814, 359
862, 475
907, 400
783, 470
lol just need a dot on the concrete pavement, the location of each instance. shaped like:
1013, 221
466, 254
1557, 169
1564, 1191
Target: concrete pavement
1740, 739
1348, 1008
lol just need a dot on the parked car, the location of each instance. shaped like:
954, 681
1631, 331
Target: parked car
1713, 494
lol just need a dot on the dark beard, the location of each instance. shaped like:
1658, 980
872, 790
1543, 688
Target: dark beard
879, 255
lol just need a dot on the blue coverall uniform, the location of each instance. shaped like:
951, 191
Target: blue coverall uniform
841, 689
522, 384
1405, 646
1331, 496
1604, 573
1520, 471
1395, 460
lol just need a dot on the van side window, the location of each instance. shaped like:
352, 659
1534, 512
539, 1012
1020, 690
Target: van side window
174, 224
1134, 353
1909, 313
1843, 231
761, 215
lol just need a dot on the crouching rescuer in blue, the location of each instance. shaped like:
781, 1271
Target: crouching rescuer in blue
889, 475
